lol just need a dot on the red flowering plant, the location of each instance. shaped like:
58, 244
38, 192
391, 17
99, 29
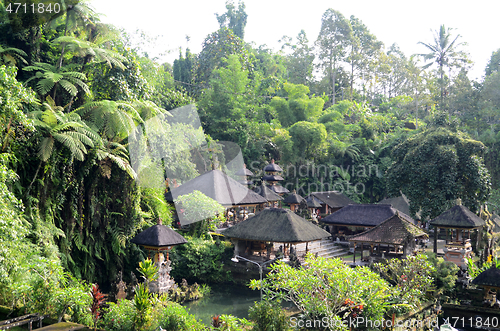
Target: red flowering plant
98, 300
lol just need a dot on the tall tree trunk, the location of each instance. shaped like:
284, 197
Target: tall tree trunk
352, 77
36, 174
59, 64
334, 74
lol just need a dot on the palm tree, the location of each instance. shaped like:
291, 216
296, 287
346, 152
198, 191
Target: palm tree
56, 127
443, 53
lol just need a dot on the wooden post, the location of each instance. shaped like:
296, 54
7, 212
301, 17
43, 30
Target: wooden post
436, 230
354, 256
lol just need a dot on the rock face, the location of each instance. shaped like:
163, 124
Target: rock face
164, 281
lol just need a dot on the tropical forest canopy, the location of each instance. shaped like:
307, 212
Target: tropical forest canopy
337, 111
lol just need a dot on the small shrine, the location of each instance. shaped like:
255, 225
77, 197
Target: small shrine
273, 178
489, 280
157, 240
457, 222
294, 200
313, 204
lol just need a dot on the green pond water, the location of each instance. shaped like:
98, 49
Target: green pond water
224, 299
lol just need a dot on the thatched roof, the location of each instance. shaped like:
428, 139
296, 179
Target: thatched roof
312, 202
368, 215
293, 198
333, 199
276, 225
272, 178
277, 188
245, 182
490, 277
244, 172
220, 187
267, 193
459, 217
396, 230
158, 236
272, 167
401, 203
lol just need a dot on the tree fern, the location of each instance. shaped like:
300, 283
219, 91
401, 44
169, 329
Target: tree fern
50, 76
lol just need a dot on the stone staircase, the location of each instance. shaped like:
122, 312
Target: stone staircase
325, 248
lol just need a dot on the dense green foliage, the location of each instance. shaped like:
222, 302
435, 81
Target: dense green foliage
201, 261
268, 316
371, 123
169, 315
445, 272
328, 288
411, 278
436, 167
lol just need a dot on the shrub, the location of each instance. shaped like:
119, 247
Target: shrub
445, 274
119, 316
174, 317
201, 261
268, 316
168, 315
327, 289
411, 277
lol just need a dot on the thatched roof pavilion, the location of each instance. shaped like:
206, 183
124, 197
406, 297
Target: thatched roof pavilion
273, 225
460, 219
397, 230
293, 199
222, 188
313, 202
158, 238
331, 201
276, 225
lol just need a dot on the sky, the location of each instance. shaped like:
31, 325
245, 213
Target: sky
402, 22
